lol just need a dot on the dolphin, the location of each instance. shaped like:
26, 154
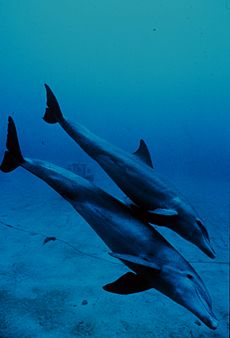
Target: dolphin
134, 174
153, 261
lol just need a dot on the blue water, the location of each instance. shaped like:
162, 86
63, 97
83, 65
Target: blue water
157, 70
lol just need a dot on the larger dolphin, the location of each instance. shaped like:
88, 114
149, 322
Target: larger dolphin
154, 262
135, 176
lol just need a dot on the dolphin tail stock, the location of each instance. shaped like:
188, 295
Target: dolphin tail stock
53, 112
13, 157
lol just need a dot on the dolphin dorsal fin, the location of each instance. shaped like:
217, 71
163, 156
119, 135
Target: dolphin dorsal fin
135, 260
143, 153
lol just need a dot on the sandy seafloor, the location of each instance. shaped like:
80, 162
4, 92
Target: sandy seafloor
55, 290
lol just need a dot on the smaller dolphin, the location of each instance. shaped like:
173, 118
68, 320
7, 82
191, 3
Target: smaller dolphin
154, 262
134, 174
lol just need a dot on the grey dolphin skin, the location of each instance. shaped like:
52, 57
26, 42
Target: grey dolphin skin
153, 261
134, 174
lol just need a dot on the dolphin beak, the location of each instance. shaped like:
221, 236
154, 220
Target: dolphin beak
204, 310
205, 241
211, 322
208, 250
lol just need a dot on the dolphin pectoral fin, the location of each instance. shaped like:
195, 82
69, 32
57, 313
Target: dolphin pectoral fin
127, 284
162, 217
165, 212
143, 154
135, 260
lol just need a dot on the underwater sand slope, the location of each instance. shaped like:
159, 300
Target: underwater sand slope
43, 286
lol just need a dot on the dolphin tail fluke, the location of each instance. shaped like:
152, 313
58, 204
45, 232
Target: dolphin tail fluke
13, 156
53, 112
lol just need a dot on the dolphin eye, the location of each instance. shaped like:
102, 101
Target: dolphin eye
189, 276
